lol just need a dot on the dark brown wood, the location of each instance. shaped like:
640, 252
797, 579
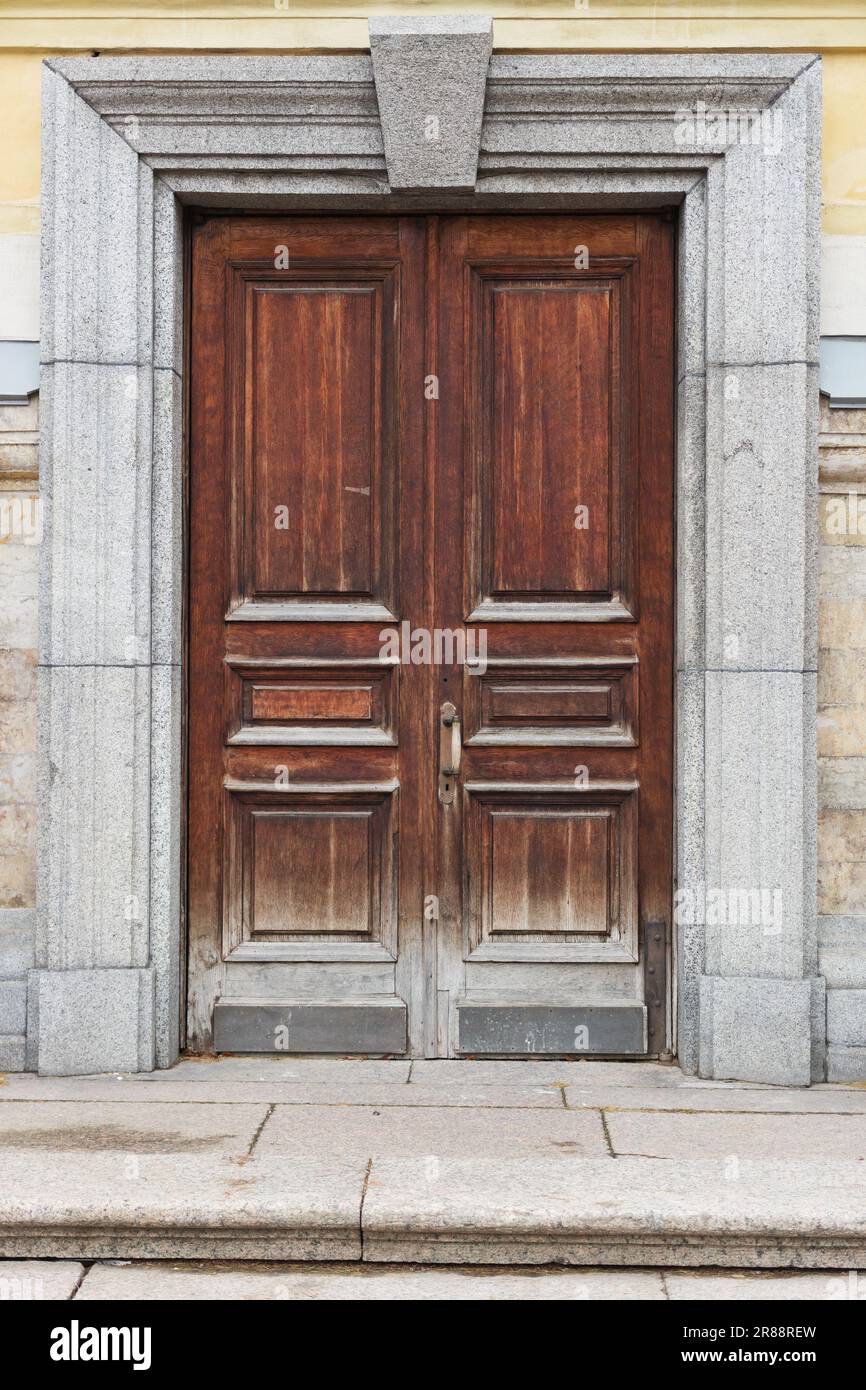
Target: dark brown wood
298, 702
563, 835
457, 422
656, 951
306, 537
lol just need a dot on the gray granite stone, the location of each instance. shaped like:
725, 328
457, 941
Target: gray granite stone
168, 251
757, 1287
756, 1030
468, 1072
17, 929
275, 1070
691, 522
720, 1098
846, 1063
132, 1130
691, 867
818, 1027
625, 1211
757, 747
842, 931
843, 965
813, 523
31, 1050
692, 283
39, 1280
355, 1283
754, 1177
94, 1020
370, 1095
627, 103
297, 189
391, 1132
166, 854
13, 1006
12, 1052
94, 832
846, 1017
731, 1138
761, 476
430, 78
95, 468
575, 184
231, 110
101, 1205
763, 297
167, 546
90, 235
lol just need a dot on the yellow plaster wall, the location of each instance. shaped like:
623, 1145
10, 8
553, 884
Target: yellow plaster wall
837, 30
844, 146
19, 120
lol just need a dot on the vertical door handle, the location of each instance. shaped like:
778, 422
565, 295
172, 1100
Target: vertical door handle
450, 750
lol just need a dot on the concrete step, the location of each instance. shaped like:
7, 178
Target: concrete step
726, 1212
488, 1164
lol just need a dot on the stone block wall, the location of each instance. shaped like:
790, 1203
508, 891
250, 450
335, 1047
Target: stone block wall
20, 523
842, 738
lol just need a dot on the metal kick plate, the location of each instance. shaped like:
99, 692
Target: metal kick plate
536, 1029
275, 1026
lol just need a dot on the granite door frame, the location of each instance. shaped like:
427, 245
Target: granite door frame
733, 140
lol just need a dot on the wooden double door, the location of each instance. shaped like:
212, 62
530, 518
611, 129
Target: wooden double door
430, 634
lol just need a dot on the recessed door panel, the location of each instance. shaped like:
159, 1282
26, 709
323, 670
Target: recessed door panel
545, 364
314, 406
571, 702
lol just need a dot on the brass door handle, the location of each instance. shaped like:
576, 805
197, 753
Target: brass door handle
450, 750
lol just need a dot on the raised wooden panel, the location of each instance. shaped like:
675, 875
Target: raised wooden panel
568, 702
550, 492
553, 868
316, 529
282, 702
311, 865
292, 703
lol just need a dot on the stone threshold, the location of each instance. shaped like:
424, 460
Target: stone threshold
391, 1163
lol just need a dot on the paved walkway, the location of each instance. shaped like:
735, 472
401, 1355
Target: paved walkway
435, 1163
186, 1281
